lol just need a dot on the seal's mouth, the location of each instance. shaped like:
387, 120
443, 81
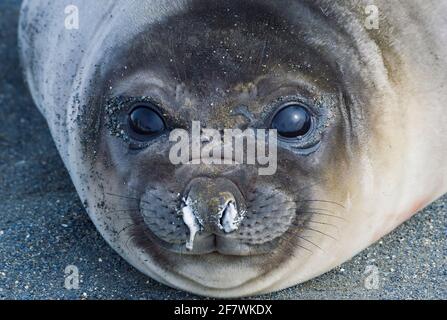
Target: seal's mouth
206, 243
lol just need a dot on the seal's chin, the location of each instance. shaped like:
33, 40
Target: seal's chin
215, 262
215, 271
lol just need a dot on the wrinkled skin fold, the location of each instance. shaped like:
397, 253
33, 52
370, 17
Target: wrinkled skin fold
378, 152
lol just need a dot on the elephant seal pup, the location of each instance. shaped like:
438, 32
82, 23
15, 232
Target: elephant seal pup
360, 116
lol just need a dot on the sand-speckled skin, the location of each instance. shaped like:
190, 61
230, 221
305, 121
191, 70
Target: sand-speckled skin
381, 95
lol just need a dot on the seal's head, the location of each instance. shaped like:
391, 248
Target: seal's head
225, 230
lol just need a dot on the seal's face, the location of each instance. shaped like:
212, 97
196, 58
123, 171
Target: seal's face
237, 66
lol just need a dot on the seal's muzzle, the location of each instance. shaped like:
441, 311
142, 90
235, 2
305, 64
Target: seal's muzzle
217, 204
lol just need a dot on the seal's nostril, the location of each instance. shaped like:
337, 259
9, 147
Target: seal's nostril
191, 221
229, 221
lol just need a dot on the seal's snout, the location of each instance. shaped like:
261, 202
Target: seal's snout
212, 206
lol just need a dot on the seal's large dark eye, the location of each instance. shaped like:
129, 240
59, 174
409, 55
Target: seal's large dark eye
145, 121
292, 121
